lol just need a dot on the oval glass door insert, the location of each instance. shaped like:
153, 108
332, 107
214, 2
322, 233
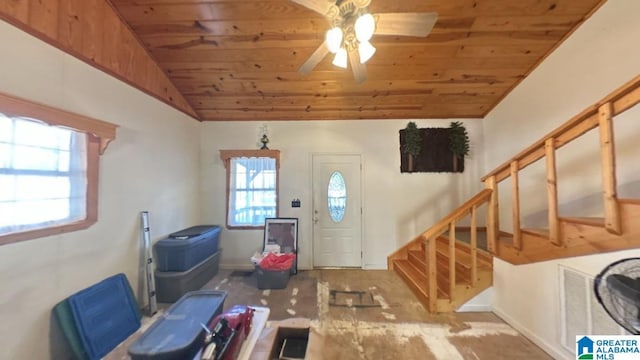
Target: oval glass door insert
337, 197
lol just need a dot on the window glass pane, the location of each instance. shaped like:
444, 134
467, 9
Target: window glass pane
6, 214
5, 155
34, 158
64, 138
42, 187
337, 197
7, 189
44, 179
253, 193
28, 132
41, 211
240, 176
63, 161
6, 128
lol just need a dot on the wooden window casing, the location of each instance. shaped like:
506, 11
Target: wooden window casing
226, 156
99, 135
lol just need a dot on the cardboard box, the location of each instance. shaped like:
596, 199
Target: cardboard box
272, 337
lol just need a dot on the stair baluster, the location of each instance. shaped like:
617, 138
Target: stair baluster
515, 204
552, 191
432, 276
452, 259
608, 159
568, 236
474, 245
493, 213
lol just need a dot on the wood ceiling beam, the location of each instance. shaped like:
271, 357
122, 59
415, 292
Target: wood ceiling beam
158, 11
381, 100
341, 113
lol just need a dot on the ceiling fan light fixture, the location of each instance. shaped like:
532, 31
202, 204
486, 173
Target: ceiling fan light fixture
340, 60
366, 51
365, 26
334, 39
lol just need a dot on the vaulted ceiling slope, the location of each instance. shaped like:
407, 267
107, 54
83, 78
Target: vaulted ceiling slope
238, 59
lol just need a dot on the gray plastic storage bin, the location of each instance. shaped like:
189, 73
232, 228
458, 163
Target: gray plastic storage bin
170, 285
178, 333
186, 248
270, 279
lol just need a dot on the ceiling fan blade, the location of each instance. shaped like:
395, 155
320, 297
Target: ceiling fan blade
314, 59
359, 70
320, 6
406, 24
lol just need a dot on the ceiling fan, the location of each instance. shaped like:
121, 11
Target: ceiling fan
352, 26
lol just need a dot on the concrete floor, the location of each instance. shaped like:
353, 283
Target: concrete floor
373, 316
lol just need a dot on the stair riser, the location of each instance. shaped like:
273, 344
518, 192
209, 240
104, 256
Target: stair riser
417, 260
481, 256
577, 240
462, 277
422, 297
463, 256
466, 248
443, 261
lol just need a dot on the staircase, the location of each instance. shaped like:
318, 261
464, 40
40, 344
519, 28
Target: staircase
445, 272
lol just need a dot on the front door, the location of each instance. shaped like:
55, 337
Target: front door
337, 211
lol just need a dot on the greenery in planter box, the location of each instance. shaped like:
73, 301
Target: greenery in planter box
412, 143
458, 142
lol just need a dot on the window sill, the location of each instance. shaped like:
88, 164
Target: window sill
51, 231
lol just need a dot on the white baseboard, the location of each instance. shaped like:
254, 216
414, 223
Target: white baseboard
475, 308
244, 266
482, 302
554, 352
374, 267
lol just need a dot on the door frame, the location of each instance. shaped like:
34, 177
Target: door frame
362, 201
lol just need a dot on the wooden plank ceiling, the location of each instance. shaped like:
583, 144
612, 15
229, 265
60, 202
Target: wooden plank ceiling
238, 59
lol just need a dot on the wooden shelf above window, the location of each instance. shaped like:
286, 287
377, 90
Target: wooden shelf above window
16, 107
225, 155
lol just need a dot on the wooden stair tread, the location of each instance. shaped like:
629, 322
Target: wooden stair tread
630, 201
462, 277
592, 221
417, 258
417, 279
463, 258
505, 237
537, 232
482, 255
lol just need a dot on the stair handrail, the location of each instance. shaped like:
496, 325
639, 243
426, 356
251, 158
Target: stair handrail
437, 229
460, 212
429, 238
599, 115
448, 223
622, 99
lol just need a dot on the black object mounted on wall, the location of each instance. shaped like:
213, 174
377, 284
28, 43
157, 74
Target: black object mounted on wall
436, 155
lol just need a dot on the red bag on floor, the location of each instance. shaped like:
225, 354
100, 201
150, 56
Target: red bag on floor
275, 262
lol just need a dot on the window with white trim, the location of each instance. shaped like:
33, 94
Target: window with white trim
252, 186
43, 175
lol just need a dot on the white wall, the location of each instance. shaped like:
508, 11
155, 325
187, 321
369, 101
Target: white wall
397, 206
600, 56
152, 165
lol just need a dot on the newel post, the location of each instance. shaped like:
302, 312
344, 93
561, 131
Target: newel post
493, 225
